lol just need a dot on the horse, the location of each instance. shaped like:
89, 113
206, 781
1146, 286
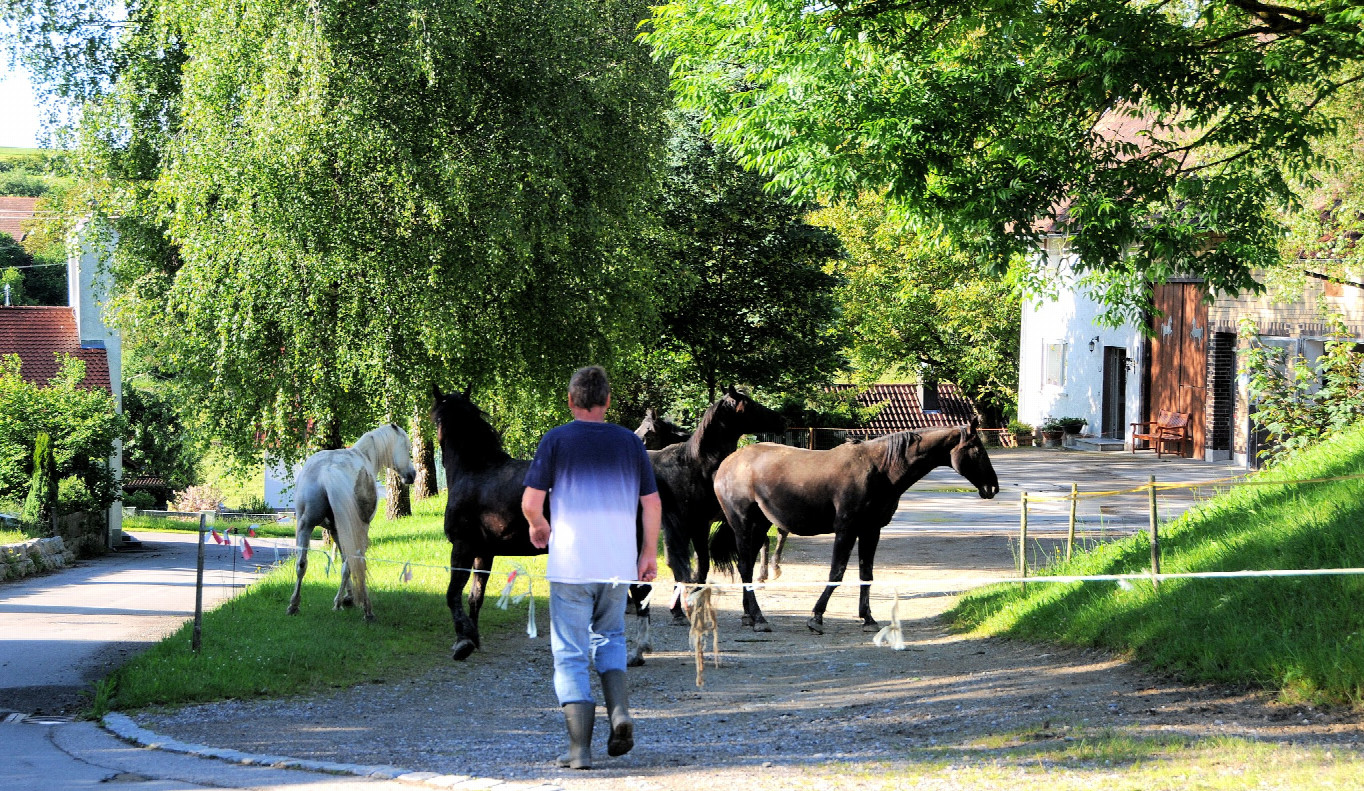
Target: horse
335, 490
851, 491
483, 517
658, 433
768, 557
684, 473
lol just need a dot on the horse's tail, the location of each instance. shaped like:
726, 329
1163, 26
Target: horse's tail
724, 548
350, 494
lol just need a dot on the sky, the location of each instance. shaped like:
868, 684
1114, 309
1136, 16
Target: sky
18, 113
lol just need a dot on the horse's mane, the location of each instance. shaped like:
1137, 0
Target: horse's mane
697, 442
897, 450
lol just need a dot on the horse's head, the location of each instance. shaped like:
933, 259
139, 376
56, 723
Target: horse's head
971, 461
749, 416
400, 454
463, 433
657, 432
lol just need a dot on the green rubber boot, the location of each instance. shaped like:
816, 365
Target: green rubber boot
618, 710
579, 718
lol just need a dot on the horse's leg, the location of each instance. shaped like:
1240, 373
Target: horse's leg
637, 639
749, 538
343, 593
303, 534
478, 586
844, 539
782, 535
764, 558
866, 553
460, 560
677, 544
360, 567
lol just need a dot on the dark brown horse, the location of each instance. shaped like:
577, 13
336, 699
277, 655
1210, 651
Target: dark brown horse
657, 432
685, 474
851, 491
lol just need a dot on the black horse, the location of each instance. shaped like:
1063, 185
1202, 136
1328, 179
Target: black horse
658, 433
685, 474
851, 491
483, 516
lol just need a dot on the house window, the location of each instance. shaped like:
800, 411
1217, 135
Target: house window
1054, 363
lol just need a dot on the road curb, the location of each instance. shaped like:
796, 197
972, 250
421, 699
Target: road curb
122, 726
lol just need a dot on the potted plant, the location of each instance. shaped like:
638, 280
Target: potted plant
1071, 425
1022, 433
1052, 431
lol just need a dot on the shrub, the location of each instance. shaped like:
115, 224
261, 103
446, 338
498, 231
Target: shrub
73, 495
255, 504
197, 498
141, 499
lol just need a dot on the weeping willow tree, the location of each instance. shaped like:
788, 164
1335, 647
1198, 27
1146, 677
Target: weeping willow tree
323, 208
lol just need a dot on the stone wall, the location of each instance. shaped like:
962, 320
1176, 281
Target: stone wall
33, 556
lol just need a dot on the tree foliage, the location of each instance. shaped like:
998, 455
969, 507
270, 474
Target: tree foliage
325, 207
1160, 136
158, 445
745, 295
924, 309
42, 490
1300, 403
81, 422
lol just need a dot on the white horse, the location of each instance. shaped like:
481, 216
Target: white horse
335, 490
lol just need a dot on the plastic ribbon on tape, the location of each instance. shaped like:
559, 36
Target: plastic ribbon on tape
505, 599
892, 634
406, 574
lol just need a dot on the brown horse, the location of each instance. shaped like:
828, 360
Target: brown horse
851, 491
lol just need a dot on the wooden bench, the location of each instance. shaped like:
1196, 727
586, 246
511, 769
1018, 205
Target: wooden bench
1168, 427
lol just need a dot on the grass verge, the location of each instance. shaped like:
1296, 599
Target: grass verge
189, 525
1064, 759
250, 648
1301, 636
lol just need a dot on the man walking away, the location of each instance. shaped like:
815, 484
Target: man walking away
600, 477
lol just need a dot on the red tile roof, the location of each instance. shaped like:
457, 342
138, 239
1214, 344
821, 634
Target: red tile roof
902, 410
14, 211
38, 333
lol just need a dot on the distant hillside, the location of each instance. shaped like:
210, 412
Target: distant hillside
1303, 636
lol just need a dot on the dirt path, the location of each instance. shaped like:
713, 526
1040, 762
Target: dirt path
779, 705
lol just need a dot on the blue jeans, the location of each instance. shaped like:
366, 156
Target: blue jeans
586, 627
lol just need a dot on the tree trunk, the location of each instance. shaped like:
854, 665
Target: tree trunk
423, 457
399, 499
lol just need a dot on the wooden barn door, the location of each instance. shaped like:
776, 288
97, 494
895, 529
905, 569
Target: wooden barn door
1179, 356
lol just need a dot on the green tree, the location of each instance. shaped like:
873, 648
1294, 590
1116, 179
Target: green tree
1161, 136
42, 492
158, 445
924, 309
323, 208
81, 422
745, 297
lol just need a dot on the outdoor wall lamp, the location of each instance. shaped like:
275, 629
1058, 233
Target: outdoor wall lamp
1093, 341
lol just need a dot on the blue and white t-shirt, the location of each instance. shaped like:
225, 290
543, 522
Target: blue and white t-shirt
595, 473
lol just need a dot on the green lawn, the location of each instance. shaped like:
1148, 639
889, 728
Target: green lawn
1301, 636
251, 648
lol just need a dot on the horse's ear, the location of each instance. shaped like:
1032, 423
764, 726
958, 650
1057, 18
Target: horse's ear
732, 391
468, 389
435, 393
395, 426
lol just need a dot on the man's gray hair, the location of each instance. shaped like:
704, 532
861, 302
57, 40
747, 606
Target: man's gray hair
588, 387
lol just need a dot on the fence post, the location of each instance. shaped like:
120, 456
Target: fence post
1155, 537
1023, 539
199, 589
812, 438
1070, 533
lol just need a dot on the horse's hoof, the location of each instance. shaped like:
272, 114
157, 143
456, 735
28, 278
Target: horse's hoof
461, 650
291, 610
634, 660
680, 619
762, 626
870, 625
369, 617
815, 625
746, 621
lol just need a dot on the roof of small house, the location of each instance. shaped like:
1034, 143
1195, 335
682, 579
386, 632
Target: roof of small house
38, 334
14, 211
903, 411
